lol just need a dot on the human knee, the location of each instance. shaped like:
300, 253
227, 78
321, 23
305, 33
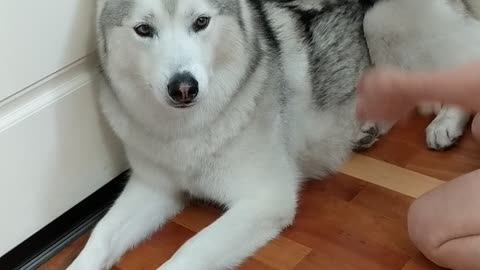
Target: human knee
476, 127
421, 229
426, 231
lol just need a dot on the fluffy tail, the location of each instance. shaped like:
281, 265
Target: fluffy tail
474, 6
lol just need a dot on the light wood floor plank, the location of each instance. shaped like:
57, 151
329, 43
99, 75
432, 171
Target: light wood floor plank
355, 220
389, 176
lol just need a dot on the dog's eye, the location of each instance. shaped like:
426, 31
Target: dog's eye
144, 30
201, 23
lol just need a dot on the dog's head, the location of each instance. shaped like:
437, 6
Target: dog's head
170, 50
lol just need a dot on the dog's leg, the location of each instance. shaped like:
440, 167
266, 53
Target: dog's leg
447, 128
138, 211
247, 226
369, 134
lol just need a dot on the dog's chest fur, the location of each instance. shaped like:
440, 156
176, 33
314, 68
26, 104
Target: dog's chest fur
307, 48
193, 159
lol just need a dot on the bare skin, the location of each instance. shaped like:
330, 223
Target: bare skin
386, 94
444, 223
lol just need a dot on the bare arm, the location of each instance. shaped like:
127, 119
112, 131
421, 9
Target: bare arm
460, 87
391, 94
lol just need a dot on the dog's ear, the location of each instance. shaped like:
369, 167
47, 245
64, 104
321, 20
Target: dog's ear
99, 35
110, 14
100, 5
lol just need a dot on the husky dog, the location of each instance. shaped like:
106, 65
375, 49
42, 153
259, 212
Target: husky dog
443, 35
234, 101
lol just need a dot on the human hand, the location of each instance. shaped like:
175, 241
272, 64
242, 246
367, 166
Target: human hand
390, 95
383, 95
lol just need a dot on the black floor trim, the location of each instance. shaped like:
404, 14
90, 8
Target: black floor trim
46, 243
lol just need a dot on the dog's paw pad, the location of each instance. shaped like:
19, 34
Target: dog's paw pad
367, 137
442, 135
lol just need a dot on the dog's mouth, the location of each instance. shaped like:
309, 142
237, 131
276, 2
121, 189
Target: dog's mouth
182, 105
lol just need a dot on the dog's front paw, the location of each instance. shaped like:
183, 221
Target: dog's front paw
443, 134
370, 133
367, 137
75, 267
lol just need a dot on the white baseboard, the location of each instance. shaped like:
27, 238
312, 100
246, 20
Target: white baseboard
56, 150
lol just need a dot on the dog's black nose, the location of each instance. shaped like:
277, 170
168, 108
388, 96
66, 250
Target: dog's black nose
183, 88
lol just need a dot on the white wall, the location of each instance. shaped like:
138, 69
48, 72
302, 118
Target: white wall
39, 38
55, 148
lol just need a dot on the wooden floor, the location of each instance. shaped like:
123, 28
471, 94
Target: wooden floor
355, 220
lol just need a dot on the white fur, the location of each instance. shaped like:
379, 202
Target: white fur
441, 36
232, 147
254, 175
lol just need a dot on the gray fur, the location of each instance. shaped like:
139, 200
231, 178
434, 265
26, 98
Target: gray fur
275, 106
232, 8
113, 15
331, 34
338, 53
170, 6
226, 7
